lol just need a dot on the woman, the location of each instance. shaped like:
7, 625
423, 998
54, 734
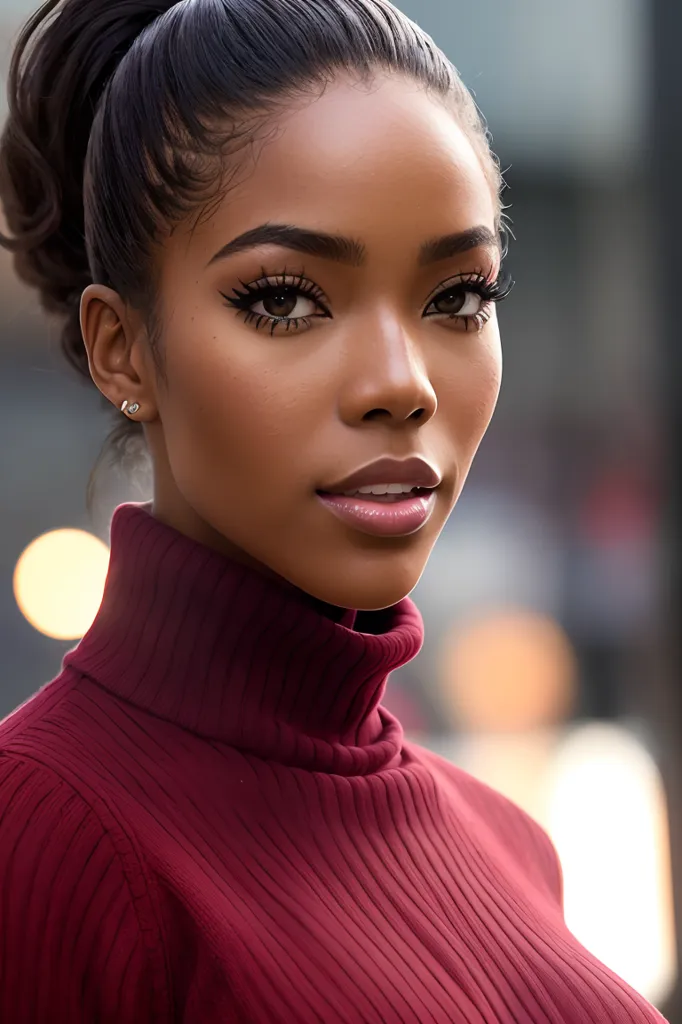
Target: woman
273, 231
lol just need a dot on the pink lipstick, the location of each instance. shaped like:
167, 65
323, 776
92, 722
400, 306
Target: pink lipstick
390, 516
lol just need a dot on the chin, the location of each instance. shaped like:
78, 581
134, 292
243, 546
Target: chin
368, 587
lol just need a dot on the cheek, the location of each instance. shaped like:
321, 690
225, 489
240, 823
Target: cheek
473, 387
232, 411
212, 403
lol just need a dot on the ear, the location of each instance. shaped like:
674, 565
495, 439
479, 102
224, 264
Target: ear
118, 351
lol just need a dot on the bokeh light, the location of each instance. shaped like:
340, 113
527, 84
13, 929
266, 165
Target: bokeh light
508, 671
59, 580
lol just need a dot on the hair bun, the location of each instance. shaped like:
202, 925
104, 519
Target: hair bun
64, 57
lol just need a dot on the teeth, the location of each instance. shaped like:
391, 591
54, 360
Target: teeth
381, 489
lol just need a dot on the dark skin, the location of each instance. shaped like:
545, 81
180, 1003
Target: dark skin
244, 425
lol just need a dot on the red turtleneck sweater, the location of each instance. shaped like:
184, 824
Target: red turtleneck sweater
208, 817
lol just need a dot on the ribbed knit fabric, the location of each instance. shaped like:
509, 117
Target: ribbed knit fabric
208, 817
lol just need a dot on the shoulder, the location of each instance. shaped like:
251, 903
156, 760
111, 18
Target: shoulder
72, 928
520, 835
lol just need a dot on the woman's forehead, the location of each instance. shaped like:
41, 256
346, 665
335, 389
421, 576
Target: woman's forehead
359, 162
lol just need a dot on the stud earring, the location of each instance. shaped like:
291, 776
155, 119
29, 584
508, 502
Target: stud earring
130, 409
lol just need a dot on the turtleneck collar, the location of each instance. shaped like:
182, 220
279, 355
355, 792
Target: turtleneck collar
190, 636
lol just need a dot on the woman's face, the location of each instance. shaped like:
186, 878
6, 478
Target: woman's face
290, 364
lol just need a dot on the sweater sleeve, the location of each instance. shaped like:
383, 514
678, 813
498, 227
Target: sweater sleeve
71, 949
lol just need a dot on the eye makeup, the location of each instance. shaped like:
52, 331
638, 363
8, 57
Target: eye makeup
279, 295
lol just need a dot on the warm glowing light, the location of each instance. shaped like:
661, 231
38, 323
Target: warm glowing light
509, 672
608, 819
59, 580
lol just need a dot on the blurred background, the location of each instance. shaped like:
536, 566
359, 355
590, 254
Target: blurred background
550, 667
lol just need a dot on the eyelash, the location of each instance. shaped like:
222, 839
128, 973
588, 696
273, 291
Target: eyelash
475, 282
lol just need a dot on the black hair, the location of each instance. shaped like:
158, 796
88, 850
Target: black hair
118, 110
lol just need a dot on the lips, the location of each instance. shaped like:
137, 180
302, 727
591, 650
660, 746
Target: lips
414, 471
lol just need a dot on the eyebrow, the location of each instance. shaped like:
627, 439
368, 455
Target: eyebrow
349, 250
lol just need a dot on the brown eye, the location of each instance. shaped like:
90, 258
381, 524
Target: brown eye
450, 302
458, 302
282, 302
279, 303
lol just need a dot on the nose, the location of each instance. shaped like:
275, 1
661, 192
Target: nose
386, 377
